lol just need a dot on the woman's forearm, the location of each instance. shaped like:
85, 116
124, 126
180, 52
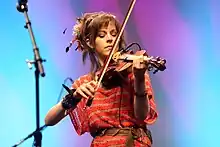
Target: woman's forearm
55, 114
140, 100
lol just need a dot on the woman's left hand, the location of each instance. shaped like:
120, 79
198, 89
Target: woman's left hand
139, 68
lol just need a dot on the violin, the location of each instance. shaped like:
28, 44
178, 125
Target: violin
116, 73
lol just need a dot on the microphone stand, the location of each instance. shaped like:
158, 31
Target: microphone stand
45, 126
39, 70
35, 133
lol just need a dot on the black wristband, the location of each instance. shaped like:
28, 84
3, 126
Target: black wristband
140, 95
70, 101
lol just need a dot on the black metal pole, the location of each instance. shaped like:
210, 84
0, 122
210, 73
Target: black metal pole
39, 70
38, 134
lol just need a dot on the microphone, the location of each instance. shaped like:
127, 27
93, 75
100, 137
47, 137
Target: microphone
22, 5
22, 2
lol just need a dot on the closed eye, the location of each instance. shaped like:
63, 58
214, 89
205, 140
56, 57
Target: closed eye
114, 33
101, 34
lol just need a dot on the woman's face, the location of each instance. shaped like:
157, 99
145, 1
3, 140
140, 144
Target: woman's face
105, 39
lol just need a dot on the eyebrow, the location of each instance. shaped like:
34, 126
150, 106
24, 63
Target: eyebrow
101, 31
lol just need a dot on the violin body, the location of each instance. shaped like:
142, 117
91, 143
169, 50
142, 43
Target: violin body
117, 73
113, 78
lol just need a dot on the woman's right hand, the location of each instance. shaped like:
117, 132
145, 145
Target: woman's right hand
86, 90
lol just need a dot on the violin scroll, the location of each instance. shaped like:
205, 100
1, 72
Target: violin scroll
156, 63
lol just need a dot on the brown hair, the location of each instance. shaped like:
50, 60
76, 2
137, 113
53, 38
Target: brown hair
86, 31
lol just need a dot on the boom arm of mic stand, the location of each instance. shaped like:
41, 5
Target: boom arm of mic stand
30, 135
22, 7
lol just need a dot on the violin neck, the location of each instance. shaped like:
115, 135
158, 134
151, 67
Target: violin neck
130, 58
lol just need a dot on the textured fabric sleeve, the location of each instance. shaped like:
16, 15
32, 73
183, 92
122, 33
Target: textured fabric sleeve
78, 115
152, 113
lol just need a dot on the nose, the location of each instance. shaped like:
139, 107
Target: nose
109, 38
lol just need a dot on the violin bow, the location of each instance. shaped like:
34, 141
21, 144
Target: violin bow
107, 61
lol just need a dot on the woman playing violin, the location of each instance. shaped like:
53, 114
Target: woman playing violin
119, 114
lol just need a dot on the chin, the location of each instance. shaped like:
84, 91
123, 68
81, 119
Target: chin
106, 52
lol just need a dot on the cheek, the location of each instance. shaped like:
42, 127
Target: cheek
99, 44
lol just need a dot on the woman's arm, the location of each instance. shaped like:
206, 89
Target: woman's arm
55, 115
141, 81
141, 102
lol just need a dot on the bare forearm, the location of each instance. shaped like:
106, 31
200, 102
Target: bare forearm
140, 100
54, 115
58, 112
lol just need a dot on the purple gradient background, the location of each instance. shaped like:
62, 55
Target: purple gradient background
186, 33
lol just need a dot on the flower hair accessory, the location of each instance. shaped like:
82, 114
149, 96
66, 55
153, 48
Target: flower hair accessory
77, 28
76, 32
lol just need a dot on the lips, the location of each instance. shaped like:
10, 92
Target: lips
108, 47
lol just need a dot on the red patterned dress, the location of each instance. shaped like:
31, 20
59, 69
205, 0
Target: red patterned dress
112, 108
